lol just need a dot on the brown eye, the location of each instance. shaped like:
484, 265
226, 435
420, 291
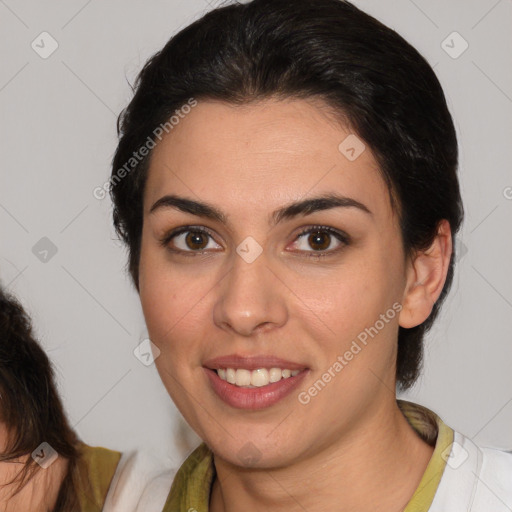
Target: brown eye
196, 240
321, 239
189, 241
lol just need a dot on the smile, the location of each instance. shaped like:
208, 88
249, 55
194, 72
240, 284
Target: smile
248, 396
254, 378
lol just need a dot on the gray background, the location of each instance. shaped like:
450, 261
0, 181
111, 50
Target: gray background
58, 137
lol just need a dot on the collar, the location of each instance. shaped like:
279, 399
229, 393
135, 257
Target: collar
191, 486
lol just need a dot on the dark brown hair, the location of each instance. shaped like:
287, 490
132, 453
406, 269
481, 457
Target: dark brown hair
326, 49
30, 407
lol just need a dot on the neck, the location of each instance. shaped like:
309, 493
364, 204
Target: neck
374, 469
40, 492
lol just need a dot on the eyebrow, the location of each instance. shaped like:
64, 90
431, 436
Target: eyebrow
289, 211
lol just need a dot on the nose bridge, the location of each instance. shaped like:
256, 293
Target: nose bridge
249, 297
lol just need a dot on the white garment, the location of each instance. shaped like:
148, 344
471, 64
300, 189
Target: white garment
140, 484
475, 479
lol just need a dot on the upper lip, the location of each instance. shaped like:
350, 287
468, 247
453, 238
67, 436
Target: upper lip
251, 362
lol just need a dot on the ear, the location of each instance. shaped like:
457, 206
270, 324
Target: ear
425, 278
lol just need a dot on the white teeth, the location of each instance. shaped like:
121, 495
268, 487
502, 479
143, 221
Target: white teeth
255, 378
231, 375
260, 377
243, 377
275, 374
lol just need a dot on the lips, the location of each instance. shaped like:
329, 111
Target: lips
254, 362
253, 398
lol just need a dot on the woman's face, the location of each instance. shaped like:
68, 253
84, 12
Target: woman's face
253, 285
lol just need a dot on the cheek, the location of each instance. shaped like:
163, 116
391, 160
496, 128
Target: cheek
174, 307
158, 295
166, 310
348, 296
348, 309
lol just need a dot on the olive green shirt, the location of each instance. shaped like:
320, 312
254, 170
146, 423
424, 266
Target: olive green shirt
96, 470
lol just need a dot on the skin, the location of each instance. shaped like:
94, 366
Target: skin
40, 492
350, 448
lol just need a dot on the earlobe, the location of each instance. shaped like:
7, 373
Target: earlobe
426, 274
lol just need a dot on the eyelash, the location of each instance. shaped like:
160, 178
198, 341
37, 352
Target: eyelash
339, 235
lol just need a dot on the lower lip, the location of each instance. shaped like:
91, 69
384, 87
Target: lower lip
253, 398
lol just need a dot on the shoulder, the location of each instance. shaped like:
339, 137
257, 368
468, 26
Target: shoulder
476, 478
141, 483
495, 477
98, 457
97, 467
112, 481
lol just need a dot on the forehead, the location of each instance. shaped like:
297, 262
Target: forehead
257, 157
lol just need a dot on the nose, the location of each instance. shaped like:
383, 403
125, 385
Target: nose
251, 298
